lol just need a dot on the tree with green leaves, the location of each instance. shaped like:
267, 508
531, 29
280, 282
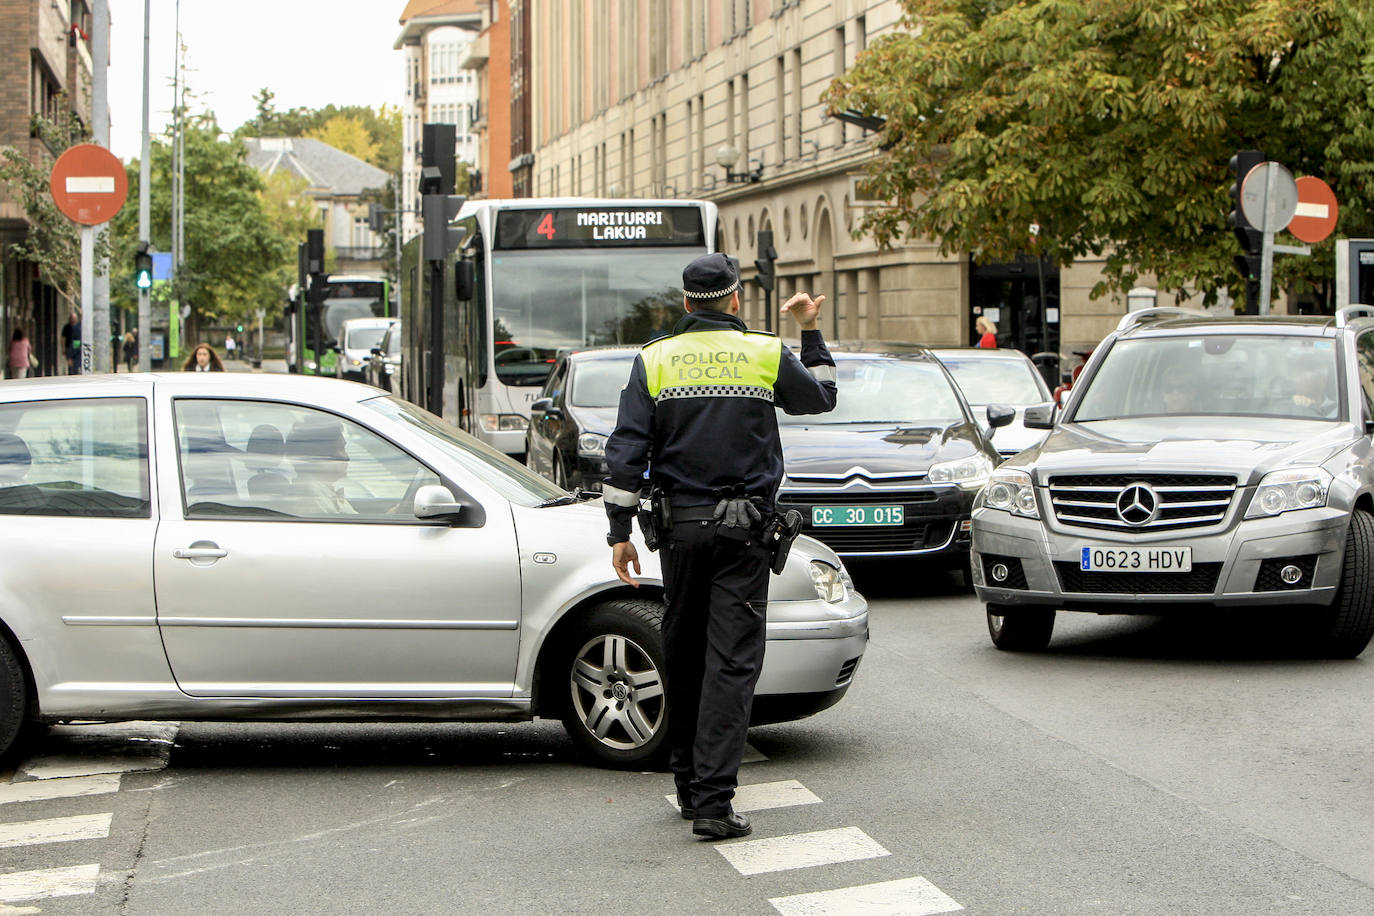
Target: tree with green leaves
1109, 125
236, 243
52, 241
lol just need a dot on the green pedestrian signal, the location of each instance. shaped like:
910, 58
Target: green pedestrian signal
239, 328
143, 267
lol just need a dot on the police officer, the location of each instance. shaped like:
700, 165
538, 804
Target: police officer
698, 413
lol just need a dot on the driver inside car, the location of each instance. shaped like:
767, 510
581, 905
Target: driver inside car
319, 458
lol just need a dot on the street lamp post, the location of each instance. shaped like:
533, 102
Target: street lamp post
728, 156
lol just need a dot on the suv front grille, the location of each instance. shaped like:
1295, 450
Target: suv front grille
1201, 581
1184, 500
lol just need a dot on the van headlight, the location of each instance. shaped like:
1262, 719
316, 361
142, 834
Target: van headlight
828, 581
1011, 491
591, 445
1285, 491
970, 473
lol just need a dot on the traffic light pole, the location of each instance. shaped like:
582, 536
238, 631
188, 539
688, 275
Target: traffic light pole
145, 306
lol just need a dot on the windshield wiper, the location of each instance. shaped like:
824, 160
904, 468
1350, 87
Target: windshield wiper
578, 495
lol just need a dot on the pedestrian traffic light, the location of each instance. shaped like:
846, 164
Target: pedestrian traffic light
238, 328
1251, 239
765, 264
1249, 266
143, 267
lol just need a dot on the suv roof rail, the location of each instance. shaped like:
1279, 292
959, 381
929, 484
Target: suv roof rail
1132, 319
1344, 315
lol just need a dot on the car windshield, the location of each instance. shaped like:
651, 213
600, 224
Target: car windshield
1223, 375
513, 481
337, 311
888, 391
393, 343
995, 380
551, 301
364, 338
597, 382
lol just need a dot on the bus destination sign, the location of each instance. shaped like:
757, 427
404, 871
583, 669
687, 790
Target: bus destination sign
599, 227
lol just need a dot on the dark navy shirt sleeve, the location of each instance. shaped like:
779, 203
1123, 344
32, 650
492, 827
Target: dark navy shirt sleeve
627, 453
806, 385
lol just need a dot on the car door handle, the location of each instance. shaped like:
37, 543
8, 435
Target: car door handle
199, 553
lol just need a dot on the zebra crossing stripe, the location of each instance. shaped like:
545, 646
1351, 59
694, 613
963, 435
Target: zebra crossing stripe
67, 766
48, 882
55, 830
752, 755
46, 789
904, 897
763, 795
801, 850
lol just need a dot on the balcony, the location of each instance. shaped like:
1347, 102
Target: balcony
365, 253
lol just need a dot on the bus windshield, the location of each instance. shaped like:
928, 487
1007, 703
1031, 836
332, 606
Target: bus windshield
548, 301
337, 311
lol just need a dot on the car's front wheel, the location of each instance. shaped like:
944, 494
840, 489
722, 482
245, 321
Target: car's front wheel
616, 710
1016, 629
14, 697
1349, 624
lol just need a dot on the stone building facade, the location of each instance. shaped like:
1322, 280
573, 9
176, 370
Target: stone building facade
649, 97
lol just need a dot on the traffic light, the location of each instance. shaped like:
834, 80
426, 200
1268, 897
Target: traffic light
238, 328
1249, 266
441, 239
314, 251
1251, 239
376, 219
765, 264
143, 267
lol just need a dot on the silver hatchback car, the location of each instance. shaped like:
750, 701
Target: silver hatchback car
1199, 463
175, 546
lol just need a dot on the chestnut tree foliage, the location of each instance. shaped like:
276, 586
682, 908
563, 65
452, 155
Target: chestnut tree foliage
1110, 124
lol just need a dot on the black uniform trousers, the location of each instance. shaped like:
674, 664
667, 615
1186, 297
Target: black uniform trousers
716, 581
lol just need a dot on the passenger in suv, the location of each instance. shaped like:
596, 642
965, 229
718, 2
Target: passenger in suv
1199, 463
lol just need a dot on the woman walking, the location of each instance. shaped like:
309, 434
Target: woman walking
987, 332
21, 360
203, 359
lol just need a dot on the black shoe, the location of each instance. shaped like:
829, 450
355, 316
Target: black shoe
719, 828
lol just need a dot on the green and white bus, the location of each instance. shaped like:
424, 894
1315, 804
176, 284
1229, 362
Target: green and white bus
314, 330
535, 277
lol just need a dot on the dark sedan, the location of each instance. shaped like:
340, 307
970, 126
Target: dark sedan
893, 470
574, 415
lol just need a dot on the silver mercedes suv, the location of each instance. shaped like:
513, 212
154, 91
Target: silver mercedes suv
1200, 462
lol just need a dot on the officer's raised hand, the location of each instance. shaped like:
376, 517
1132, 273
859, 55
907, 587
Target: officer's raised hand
624, 556
804, 310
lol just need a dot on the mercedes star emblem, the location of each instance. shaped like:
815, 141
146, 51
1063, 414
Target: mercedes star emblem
1137, 504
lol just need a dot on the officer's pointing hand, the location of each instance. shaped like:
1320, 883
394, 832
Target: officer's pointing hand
623, 557
804, 310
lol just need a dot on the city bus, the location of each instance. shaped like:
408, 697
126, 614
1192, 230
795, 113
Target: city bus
534, 277
317, 328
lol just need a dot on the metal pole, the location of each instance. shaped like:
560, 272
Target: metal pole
87, 296
1266, 272
174, 300
145, 306
100, 116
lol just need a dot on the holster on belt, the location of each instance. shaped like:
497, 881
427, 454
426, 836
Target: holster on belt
655, 519
782, 530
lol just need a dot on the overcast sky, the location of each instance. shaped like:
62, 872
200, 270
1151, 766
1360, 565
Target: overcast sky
309, 52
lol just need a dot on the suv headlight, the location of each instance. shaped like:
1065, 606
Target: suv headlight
828, 581
969, 473
591, 445
1011, 491
1284, 491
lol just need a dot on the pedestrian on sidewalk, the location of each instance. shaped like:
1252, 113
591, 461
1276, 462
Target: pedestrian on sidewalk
21, 358
130, 349
71, 343
203, 359
713, 438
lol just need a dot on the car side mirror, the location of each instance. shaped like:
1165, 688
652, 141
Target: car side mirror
376, 351
545, 406
1000, 415
435, 501
1041, 416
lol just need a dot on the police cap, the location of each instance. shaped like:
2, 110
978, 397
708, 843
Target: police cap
710, 277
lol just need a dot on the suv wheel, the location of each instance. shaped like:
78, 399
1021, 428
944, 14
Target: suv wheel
1015, 629
613, 667
14, 695
1350, 624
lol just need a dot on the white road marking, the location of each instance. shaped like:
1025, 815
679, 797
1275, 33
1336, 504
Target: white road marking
55, 830
763, 795
90, 184
45, 789
116, 747
904, 897
801, 850
49, 882
65, 766
1317, 211
752, 755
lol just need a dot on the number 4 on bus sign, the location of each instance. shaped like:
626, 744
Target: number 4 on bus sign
545, 227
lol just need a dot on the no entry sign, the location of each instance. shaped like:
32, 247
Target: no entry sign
89, 184
1315, 217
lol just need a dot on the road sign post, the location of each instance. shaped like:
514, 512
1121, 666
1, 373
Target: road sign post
89, 185
1269, 198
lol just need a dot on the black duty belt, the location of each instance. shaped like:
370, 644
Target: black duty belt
694, 513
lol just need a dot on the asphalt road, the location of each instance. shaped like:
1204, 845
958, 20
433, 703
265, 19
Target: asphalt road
1140, 766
